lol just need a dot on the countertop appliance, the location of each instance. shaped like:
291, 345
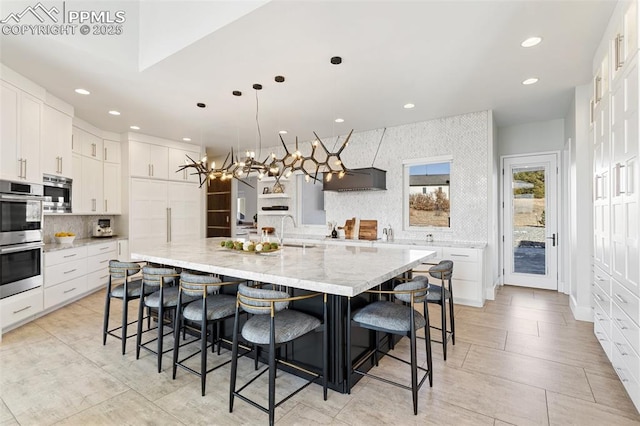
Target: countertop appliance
57, 192
21, 214
103, 228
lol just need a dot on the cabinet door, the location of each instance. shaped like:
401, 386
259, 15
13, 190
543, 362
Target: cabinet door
91, 145
77, 190
139, 165
77, 136
9, 160
177, 158
92, 186
184, 211
112, 188
159, 159
148, 213
123, 250
111, 151
56, 142
30, 118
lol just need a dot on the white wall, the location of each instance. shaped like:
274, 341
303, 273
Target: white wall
539, 136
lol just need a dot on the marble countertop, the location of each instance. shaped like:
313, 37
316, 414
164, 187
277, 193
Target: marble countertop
320, 239
345, 269
80, 242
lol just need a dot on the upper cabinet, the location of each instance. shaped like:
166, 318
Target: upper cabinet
177, 158
624, 43
87, 144
111, 151
56, 142
20, 119
148, 160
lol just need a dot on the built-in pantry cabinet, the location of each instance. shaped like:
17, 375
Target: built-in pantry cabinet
56, 139
614, 132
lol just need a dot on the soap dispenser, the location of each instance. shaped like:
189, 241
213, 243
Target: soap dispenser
389, 233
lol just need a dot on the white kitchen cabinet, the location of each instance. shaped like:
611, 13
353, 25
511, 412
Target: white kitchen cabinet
88, 144
163, 211
624, 43
20, 307
64, 275
123, 250
148, 160
112, 188
56, 142
112, 152
177, 158
91, 197
20, 120
98, 257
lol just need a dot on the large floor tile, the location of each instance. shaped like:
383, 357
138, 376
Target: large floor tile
533, 371
304, 415
6, 417
499, 321
565, 410
127, 408
526, 313
610, 391
479, 334
24, 335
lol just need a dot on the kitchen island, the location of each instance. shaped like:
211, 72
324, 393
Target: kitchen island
341, 271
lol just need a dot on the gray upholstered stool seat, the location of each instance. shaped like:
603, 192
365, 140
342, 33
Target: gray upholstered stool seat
120, 271
133, 290
289, 325
218, 306
388, 316
435, 293
170, 297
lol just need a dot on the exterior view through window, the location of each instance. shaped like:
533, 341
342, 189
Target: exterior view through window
429, 196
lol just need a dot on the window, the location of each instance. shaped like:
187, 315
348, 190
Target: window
427, 196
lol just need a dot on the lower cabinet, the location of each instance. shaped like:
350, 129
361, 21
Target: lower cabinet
20, 307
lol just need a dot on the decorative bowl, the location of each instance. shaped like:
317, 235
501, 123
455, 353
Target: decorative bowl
65, 240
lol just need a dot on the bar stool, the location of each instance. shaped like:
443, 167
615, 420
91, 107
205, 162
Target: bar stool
274, 325
127, 291
394, 318
159, 293
199, 300
440, 295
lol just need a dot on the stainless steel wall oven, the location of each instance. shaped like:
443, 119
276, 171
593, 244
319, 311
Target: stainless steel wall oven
21, 216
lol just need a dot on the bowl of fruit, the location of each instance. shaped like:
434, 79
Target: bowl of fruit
250, 246
64, 237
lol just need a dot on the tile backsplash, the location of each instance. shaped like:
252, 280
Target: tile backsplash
82, 226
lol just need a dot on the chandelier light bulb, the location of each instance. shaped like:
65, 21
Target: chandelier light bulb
273, 155
307, 178
337, 162
341, 174
329, 176
288, 173
241, 164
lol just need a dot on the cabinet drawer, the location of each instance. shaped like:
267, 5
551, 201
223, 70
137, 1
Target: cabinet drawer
625, 300
96, 249
61, 256
602, 279
467, 292
624, 372
601, 318
21, 306
99, 262
603, 338
460, 254
601, 298
626, 327
97, 279
66, 271
623, 351
67, 290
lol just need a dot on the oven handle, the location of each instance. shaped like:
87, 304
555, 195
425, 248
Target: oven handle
22, 197
21, 247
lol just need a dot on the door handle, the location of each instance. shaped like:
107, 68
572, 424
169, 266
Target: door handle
553, 239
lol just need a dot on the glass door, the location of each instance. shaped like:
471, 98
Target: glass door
530, 221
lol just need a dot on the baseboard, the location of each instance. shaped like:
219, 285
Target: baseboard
490, 293
581, 313
467, 302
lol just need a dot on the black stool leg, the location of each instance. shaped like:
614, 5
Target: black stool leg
443, 321
451, 320
427, 340
139, 327
325, 350
107, 306
203, 347
125, 305
176, 335
160, 330
272, 373
234, 361
414, 363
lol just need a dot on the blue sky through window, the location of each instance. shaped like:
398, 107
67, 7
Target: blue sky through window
430, 169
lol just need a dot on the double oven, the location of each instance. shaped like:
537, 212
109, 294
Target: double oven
21, 237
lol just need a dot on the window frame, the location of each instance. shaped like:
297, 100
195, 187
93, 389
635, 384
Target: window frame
406, 165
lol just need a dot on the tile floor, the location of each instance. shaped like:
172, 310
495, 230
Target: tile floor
522, 359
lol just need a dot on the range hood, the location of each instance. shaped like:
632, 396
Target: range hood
366, 179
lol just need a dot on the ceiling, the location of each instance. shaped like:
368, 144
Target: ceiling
446, 57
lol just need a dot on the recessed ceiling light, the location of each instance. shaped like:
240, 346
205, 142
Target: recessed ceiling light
409, 106
339, 120
283, 132
134, 127
114, 112
82, 91
529, 81
186, 139
531, 41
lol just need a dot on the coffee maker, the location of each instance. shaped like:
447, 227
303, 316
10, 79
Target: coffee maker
103, 228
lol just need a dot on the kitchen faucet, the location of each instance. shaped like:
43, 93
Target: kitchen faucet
282, 226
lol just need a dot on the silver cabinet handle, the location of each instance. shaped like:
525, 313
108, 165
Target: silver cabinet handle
621, 322
69, 291
105, 206
168, 224
458, 255
617, 296
619, 370
620, 348
23, 309
104, 261
25, 168
70, 255
105, 154
619, 43
119, 249
597, 296
104, 248
60, 164
68, 272
152, 171
149, 169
